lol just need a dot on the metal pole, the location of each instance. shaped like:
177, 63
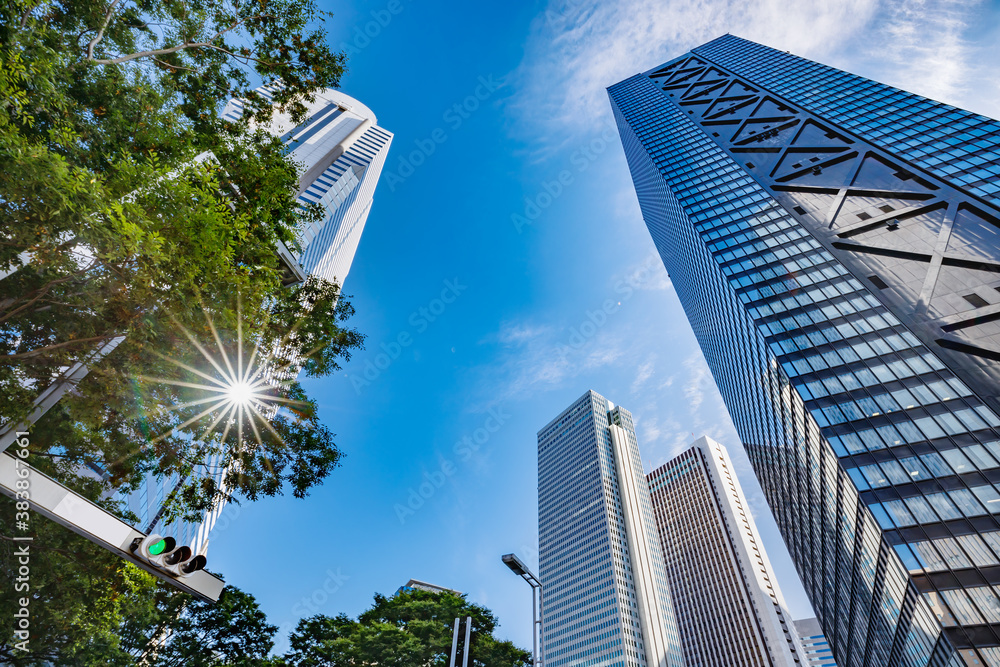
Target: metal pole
541, 644
534, 628
92, 522
537, 642
468, 633
454, 645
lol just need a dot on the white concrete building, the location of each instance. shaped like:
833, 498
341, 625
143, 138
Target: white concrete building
814, 643
340, 150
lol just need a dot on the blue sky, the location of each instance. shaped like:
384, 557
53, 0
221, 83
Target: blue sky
500, 117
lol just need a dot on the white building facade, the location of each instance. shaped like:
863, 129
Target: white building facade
814, 644
730, 611
340, 150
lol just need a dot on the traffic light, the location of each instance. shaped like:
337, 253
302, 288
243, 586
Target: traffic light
153, 548
164, 554
182, 563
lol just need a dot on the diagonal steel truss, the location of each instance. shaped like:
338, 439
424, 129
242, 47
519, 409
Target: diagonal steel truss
927, 247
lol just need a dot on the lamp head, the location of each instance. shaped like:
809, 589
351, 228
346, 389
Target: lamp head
515, 564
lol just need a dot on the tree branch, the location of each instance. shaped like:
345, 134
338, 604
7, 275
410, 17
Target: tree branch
174, 49
56, 346
172, 66
43, 291
27, 14
146, 54
100, 33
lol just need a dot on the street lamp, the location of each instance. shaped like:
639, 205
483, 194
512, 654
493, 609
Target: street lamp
521, 570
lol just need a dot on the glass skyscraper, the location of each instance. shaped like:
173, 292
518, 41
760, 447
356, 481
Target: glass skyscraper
606, 601
729, 607
834, 243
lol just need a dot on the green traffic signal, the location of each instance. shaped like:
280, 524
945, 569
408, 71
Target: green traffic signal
157, 548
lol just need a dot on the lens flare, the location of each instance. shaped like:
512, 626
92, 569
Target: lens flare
242, 393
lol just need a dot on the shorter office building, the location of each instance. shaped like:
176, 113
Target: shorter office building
814, 644
417, 585
730, 611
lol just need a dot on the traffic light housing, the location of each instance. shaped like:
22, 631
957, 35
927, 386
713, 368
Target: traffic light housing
153, 548
164, 554
182, 563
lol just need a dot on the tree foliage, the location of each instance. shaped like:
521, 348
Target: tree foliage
146, 622
413, 629
113, 227
232, 631
80, 599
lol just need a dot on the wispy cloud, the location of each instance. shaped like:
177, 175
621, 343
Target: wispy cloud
516, 333
922, 46
539, 358
643, 373
696, 382
579, 47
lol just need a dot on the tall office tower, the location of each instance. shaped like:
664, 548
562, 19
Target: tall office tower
833, 242
729, 608
341, 150
605, 595
814, 645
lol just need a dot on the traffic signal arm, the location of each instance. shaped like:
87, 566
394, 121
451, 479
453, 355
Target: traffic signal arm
67, 508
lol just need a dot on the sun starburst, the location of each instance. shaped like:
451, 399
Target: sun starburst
235, 392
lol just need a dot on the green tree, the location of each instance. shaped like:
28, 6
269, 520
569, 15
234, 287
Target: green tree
412, 629
111, 229
80, 598
110, 226
233, 631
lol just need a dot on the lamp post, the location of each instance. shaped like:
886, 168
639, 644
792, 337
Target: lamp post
519, 568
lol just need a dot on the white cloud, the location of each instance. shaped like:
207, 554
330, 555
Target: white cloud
922, 47
696, 382
540, 358
649, 429
516, 333
578, 48
643, 373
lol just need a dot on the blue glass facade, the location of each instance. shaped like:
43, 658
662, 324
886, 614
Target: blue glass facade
839, 274
593, 585
954, 144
